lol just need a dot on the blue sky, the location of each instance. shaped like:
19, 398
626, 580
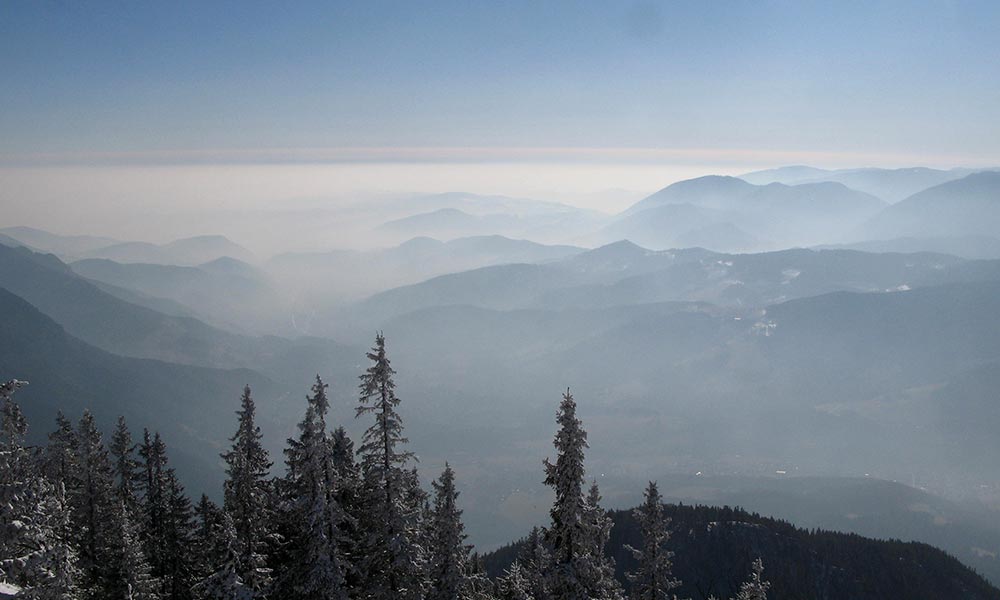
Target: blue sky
918, 80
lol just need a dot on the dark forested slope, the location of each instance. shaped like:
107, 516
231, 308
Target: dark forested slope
714, 548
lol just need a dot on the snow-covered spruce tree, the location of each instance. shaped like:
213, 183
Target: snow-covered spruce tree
348, 494
567, 535
478, 584
178, 562
514, 584
318, 569
13, 425
247, 496
756, 588
153, 505
536, 560
54, 561
225, 582
44, 562
128, 574
166, 515
124, 465
314, 566
391, 563
91, 495
58, 454
35, 551
447, 553
599, 568
348, 472
417, 503
653, 579
205, 545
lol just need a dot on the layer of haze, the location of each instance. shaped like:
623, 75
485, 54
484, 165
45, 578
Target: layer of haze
162, 203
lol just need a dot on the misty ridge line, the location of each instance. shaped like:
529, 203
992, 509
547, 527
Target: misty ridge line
408, 206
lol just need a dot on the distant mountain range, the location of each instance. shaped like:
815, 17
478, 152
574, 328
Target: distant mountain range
965, 246
477, 204
66, 245
840, 362
456, 215
226, 291
625, 274
323, 280
726, 213
188, 251
767, 210
967, 206
891, 185
955, 209
115, 325
450, 223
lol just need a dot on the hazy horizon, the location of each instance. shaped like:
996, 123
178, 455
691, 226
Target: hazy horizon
118, 200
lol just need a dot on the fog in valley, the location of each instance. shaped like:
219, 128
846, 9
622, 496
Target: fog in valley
764, 340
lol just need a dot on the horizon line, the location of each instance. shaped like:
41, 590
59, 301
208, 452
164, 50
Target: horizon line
494, 154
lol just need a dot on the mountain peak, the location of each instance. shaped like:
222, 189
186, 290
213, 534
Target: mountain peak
707, 191
619, 248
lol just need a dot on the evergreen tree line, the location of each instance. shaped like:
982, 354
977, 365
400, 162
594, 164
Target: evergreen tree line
85, 519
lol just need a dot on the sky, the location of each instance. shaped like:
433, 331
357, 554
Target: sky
895, 78
540, 95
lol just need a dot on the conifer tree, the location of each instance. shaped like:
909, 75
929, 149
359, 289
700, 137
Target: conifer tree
756, 588
318, 569
167, 517
347, 470
207, 529
43, 561
315, 566
567, 536
448, 556
129, 574
535, 560
247, 496
225, 583
653, 579
478, 585
392, 562
92, 499
13, 425
178, 562
124, 465
154, 499
348, 495
59, 451
514, 584
381, 457
598, 569
35, 551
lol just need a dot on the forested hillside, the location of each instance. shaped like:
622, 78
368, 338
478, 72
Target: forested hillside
715, 547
